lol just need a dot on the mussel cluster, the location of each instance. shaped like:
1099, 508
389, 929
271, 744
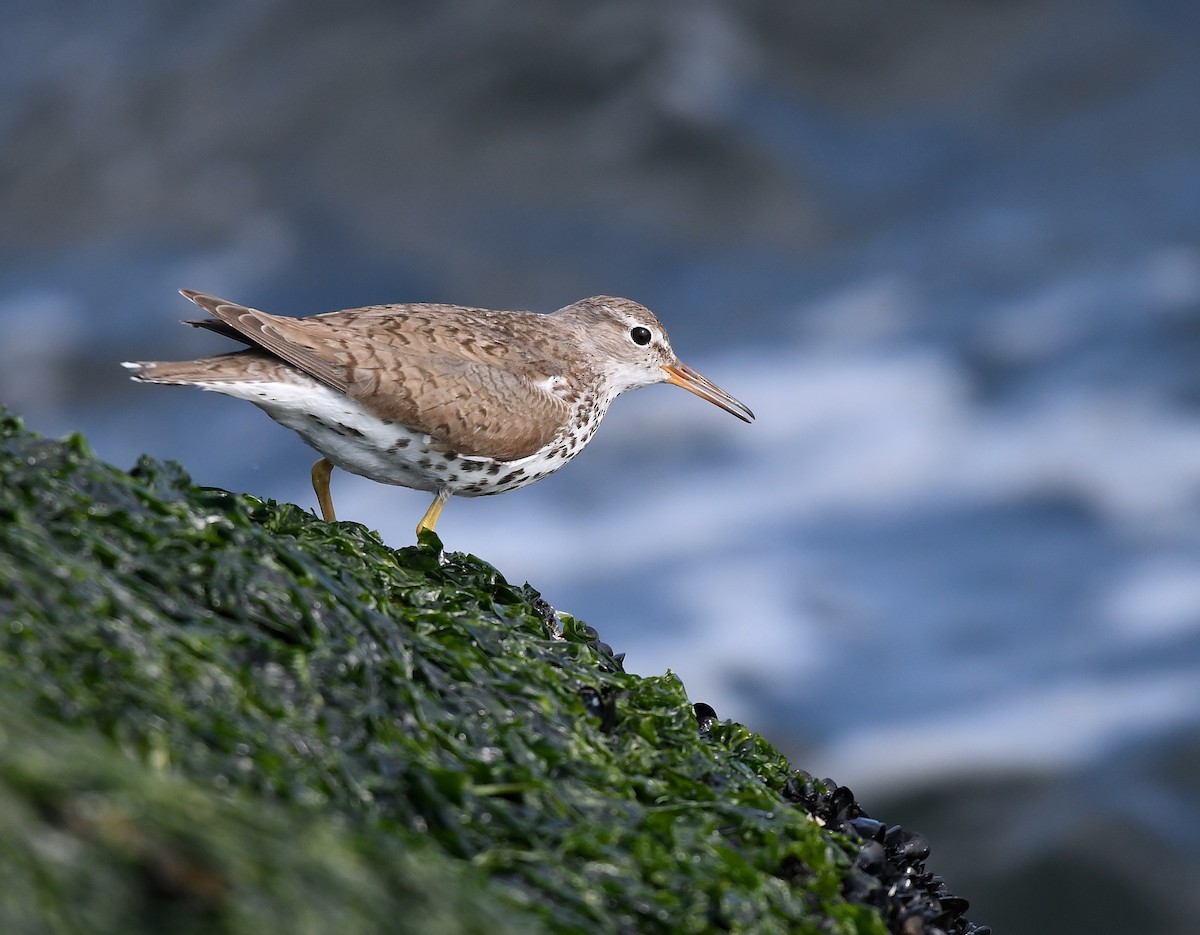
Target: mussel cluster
889, 863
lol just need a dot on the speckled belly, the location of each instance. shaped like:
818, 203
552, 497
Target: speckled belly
388, 453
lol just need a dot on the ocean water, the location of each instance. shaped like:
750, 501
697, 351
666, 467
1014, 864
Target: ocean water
950, 258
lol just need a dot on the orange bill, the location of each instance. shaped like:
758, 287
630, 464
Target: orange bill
683, 375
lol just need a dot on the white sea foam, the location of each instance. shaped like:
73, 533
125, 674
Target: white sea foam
1059, 726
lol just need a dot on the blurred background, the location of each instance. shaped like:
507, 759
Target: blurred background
948, 252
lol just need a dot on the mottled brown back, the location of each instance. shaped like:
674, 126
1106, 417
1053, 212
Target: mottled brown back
466, 377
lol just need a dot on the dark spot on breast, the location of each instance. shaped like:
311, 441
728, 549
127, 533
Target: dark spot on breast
424, 463
511, 476
399, 444
494, 469
344, 429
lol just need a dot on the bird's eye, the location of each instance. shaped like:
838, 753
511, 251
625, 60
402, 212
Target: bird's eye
640, 335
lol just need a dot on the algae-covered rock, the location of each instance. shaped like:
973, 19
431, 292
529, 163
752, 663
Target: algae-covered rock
92, 841
225, 715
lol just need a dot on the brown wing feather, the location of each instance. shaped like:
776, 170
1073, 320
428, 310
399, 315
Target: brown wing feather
266, 331
408, 364
469, 408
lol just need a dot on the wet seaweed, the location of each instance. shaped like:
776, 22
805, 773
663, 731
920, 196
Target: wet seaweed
401, 709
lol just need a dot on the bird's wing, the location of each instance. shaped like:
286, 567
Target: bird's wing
467, 407
450, 389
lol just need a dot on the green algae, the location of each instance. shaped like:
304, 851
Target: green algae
91, 841
416, 717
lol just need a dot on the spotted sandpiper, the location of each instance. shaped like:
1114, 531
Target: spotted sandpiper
443, 398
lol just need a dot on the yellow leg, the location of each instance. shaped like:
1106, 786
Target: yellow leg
320, 478
429, 520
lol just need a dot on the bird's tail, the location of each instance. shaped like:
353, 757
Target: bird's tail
185, 372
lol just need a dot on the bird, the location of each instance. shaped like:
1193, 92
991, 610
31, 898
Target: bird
442, 398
